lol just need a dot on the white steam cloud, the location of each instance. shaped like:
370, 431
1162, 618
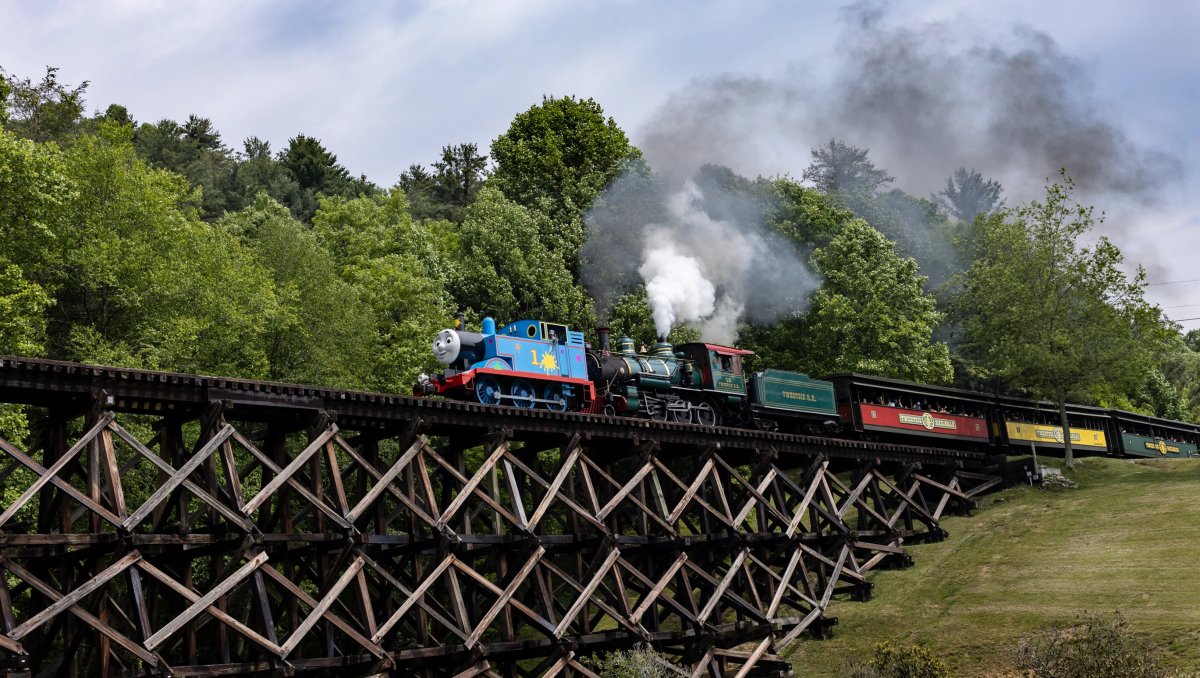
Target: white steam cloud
713, 274
675, 285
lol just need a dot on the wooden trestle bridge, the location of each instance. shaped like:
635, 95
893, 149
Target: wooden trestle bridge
169, 524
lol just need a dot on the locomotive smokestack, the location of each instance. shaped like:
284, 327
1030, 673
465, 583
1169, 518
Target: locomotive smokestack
605, 345
460, 321
662, 338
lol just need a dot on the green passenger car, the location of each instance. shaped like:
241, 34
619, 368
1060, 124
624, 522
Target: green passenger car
791, 393
1141, 435
1144, 446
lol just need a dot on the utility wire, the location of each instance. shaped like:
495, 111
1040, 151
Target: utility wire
1173, 282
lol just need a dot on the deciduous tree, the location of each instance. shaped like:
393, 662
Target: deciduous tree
1045, 313
556, 158
399, 268
43, 111
870, 315
510, 271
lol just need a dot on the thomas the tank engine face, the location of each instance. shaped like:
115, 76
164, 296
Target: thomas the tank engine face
447, 346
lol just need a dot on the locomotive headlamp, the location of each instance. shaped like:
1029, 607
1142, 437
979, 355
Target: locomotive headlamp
446, 347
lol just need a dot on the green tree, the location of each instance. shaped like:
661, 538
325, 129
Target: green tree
129, 274
1180, 366
968, 195
418, 186
34, 191
22, 325
557, 157
870, 315
138, 280
399, 268
457, 178
838, 167
509, 271
323, 333
257, 171
195, 151
5, 91
317, 172
1045, 314
805, 216
43, 111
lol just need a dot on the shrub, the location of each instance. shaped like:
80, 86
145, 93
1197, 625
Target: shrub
1096, 646
892, 661
642, 661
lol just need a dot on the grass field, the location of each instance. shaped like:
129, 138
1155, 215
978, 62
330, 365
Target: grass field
1127, 539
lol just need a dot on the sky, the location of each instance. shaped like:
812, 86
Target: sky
1014, 89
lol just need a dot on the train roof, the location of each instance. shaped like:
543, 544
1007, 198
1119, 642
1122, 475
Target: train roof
1134, 417
719, 349
909, 386
1050, 406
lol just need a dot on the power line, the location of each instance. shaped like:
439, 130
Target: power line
1173, 282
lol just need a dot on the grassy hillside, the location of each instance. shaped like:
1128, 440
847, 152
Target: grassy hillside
1127, 539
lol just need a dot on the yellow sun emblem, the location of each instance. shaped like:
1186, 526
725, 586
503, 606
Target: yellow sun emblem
547, 362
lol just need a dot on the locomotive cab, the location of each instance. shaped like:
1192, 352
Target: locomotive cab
717, 368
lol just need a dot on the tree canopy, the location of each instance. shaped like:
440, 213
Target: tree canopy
871, 314
1044, 312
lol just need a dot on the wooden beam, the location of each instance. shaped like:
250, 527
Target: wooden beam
386, 479
416, 595
586, 593
75, 596
282, 476
217, 613
202, 603
88, 618
504, 597
46, 475
468, 489
177, 478
322, 607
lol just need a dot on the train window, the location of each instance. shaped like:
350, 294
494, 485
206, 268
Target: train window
556, 333
532, 331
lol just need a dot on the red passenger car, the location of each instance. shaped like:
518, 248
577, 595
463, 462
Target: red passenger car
914, 414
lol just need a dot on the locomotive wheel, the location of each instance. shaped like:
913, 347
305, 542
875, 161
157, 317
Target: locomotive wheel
487, 390
681, 416
554, 393
707, 416
523, 394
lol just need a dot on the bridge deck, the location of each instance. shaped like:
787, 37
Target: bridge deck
42, 382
